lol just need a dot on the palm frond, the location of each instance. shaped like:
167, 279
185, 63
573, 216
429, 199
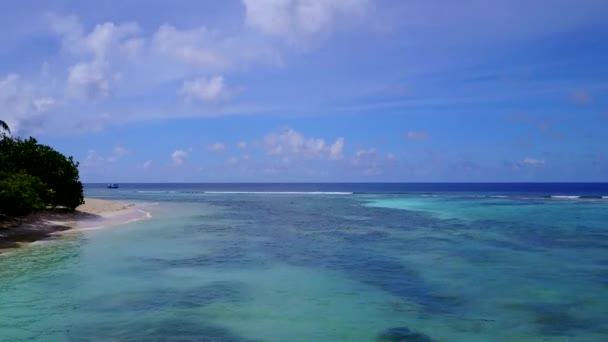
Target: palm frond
4, 126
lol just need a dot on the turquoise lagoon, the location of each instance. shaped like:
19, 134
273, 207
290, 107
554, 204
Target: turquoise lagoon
320, 266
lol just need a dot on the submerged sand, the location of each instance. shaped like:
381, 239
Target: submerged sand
15, 231
100, 207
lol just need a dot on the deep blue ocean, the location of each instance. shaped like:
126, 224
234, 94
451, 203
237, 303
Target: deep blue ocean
321, 262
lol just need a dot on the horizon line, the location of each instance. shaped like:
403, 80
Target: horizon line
438, 182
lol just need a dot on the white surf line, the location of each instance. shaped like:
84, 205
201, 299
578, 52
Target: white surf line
278, 193
147, 213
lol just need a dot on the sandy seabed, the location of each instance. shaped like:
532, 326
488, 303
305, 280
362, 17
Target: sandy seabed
93, 206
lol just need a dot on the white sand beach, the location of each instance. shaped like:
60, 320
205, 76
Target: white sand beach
93, 214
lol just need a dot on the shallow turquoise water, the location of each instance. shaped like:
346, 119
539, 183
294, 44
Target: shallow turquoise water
261, 267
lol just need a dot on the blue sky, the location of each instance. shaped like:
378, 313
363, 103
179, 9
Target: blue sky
312, 90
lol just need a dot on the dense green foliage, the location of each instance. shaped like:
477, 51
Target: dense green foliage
21, 194
33, 176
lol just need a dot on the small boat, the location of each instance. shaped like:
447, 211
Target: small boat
113, 186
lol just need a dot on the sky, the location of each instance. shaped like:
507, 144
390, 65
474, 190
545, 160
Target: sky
312, 90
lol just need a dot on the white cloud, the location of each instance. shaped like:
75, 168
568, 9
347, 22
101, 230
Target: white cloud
93, 123
207, 90
296, 18
370, 162
94, 77
418, 135
367, 161
99, 43
335, 150
242, 145
93, 159
363, 155
108, 36
90, 79
216, 147
69, 29
232, 161
290, 142
132, 48
117, 153
533, 162
195, 47
178, 157
44, 104
145, 165
21, 105
95, 60
209, 50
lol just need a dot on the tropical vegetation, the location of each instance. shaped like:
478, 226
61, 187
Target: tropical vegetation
34, 176
4, 127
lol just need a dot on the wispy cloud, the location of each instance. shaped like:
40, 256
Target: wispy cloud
94, 158
93, 75
216, 147
118, 152
22, 104
366, 160
145, 165
178, 157
297, 19
536, 162
292, 143
418, 135
209, 90
371, 162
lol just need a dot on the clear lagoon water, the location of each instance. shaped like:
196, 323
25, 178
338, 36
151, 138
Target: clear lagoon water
322, 262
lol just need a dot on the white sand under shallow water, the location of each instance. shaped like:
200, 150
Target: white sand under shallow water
102, 207
98, 213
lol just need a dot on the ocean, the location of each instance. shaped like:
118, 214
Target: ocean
322, 262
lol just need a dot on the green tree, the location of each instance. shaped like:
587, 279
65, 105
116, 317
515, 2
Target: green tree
58, 173
21, 194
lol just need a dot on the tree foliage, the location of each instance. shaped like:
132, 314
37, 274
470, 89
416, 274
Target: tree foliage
21, 194
57, 173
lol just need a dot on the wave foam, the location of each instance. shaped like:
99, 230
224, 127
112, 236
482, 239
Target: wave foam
127, 216
279, 192
489, 196
589, 197
156, 191
146, 213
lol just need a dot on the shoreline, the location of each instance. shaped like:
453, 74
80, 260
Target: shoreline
17, 232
